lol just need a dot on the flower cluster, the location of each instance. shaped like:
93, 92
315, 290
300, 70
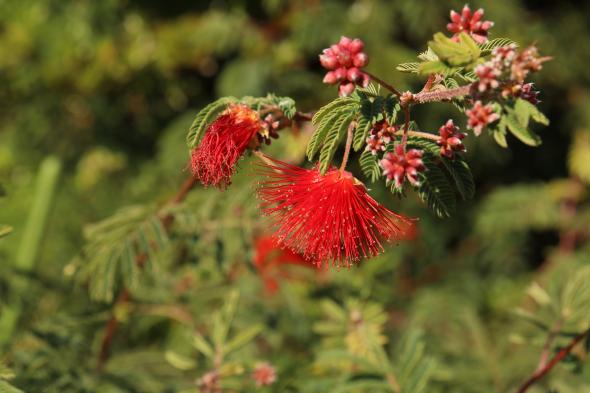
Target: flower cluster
381, 135
344, 61
470, 23
224, 142
327, 218
450, 140
264, 374
508, 69
400, 164
479, 116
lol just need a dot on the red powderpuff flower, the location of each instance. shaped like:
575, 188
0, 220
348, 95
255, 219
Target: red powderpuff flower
213, 161
264, 374
327, 218
470, 23
270, 260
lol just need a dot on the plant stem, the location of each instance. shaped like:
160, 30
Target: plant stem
348, 145
441, 95
383, 83
540, 373
419, 134
406, 125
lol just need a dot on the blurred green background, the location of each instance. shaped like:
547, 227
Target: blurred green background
103, 92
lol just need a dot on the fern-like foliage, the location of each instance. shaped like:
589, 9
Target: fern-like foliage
414, 368
204, 118
119, 248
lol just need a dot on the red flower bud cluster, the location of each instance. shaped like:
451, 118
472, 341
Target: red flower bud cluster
268, 130
400, 165
344, 61
381, 135
470, 23
264, 374
479, 116
450, 140
508, 70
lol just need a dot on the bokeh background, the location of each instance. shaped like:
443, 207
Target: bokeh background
96, 98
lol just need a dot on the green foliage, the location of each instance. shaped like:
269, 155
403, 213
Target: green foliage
335, 134
489, 46
435, 189
451, 56
121, 248
204, 118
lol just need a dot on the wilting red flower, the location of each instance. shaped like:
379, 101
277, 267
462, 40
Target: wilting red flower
382, 134
264, 374
479, 116
399, 165
327, 218
343, 62
470, 23
450, 140
270, 259
213, 161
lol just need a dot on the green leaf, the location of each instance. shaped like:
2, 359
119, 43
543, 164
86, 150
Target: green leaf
203, 346
461, 174
5, 230
5, 387
520, 130
333, 137
435, 189
414, 369
463, 53
242, 338
179, 361
499, 133
203, 118
578, 161
525, 111
326, 119
370, 166
327, 109
363, 385
408, 67
436, 67
489, 46
361, 133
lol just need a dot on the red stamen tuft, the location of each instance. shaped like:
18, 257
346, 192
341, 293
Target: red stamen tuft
329, 218
213, 161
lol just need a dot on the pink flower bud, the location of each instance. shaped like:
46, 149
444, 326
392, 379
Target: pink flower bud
330, 78
346, 89
356, 46
360, 60
328, 61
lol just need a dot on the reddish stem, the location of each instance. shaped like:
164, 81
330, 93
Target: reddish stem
540, 373
383, 83
441, 95
347, 148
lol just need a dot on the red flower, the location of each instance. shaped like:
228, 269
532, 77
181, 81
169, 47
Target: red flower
344, 60
213, 161
327, 218
487, 75
270, 260
479, 116
450, 140
381, 135
470, 23
399, 165
264, 374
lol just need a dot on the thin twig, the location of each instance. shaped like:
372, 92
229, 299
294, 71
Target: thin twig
348, 145
540, 373
406, 125
441, 95
384, 84
419, 134
554, 331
